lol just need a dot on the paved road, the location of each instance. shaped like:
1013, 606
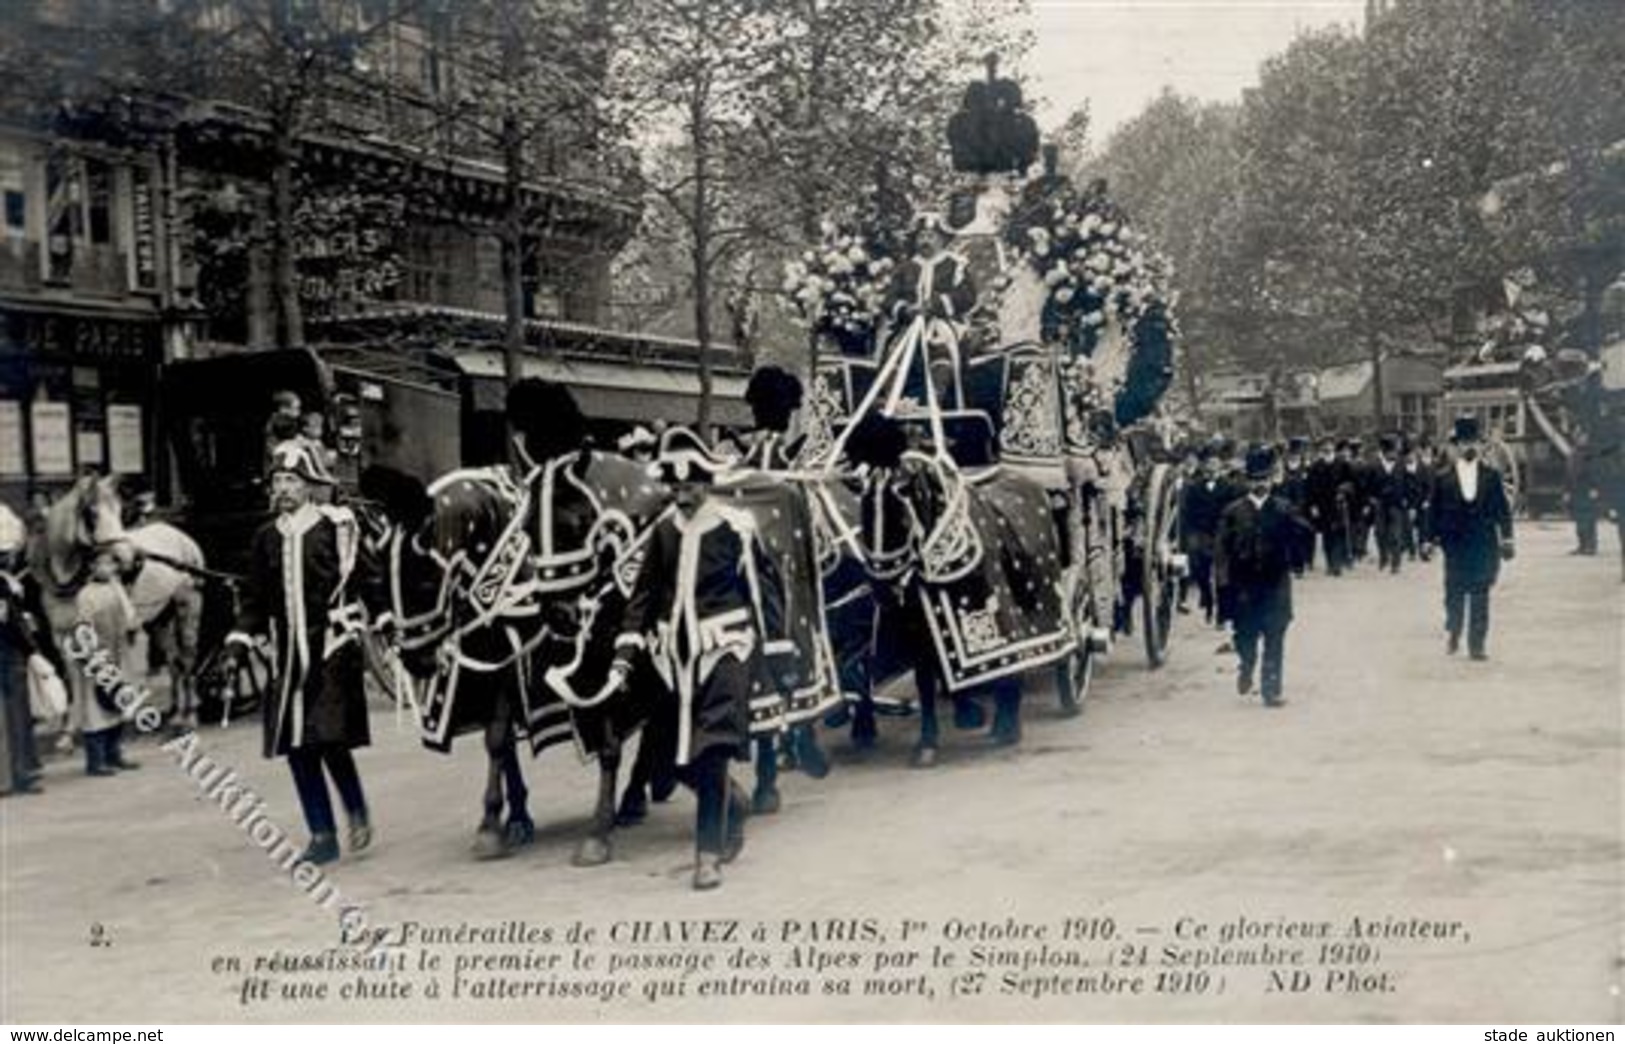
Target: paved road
1481, 800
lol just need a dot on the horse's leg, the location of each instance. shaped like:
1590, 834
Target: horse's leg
488, 840
1006, 730
634, 806
765, 801
595, 849
520, 829
925, 683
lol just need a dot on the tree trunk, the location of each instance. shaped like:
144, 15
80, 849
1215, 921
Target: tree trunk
285, 264
700, 217
1374, 354
513, 219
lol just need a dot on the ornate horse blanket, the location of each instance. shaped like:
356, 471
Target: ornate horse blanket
991, 582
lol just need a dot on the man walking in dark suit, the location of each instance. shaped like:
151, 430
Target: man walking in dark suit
1389, 503
1472, 524
1201, 502
1326, 489
1257, 534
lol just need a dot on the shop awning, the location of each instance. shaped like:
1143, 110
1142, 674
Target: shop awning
614, 391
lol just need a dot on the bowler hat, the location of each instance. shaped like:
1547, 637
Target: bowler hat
1466, 429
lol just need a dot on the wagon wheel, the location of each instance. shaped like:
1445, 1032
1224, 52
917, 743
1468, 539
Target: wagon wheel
1077, 671
1159, 576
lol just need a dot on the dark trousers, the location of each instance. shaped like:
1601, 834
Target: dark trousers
306, 764
1391, 528
1201, 563
1334, 545
1473, 603
1248, 635
1585, 523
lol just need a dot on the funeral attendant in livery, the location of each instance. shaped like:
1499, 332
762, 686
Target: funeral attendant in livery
774, 395
936, 283
704, 612
1471, 519
311, 586
1258, 535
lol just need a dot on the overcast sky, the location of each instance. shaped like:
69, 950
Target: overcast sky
1119, 54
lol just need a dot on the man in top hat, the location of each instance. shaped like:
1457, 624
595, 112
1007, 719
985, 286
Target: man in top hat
704, 612
1257, 536
1472, 523
1390, 504
1328, 480
1416, 474
313, 582
1293, 487
1201, 502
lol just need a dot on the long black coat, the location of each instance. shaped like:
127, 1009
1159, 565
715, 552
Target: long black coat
706, 613
1255, 558
309, 587
1326, 481
1470, 532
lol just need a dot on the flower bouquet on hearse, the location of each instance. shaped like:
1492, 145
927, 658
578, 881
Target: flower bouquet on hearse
839, 288
1104, 296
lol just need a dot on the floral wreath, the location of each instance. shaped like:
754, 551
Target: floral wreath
1093, 265
840, 287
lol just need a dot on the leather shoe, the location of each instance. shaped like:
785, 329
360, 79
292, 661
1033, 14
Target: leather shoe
707, 872
323, 849
1453, 646
101, 770
1244, 684
360, 834
1275, 701
1478, 654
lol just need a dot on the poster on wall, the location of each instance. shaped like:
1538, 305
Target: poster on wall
87, 446
53, 448
124, 439
11, 439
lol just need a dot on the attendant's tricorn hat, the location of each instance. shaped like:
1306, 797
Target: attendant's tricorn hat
684, 457
301, 458
1260, 462
639, 438
1466, 429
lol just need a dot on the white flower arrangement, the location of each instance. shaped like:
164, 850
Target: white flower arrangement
839, 288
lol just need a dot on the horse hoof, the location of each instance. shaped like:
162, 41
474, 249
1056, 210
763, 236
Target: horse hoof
593, 851
864, 741
1005, 737
925, 757
519, 833
489, 843
1071, 708
765, 802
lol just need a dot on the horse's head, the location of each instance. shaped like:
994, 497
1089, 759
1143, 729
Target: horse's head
84, 521
460, 568
916, 516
